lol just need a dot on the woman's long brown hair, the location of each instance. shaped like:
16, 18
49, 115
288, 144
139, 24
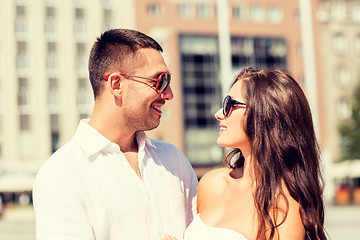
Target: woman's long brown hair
279, 125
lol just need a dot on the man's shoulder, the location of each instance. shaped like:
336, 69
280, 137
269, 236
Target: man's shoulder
172, 157
69, 149
165, 146
157, 142
61, 158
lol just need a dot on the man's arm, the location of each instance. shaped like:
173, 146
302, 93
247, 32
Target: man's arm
190, 189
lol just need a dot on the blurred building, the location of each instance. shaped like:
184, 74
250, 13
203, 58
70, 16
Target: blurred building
262, 33
44, 47
45, 44
339, 63
44, 86
338, 37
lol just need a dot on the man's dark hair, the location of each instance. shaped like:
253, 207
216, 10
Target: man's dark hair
113, 51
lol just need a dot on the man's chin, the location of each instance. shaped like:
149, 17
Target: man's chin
152, 126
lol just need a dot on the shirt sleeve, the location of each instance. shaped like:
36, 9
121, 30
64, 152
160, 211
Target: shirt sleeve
190, 188
190, 204
59, 211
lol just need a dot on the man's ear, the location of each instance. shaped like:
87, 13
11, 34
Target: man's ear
114, 83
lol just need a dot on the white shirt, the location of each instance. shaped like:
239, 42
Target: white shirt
88, 190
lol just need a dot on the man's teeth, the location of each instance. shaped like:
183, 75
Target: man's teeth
222, 128
157, 108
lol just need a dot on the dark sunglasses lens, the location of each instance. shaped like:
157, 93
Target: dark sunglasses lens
226, 106
164, 82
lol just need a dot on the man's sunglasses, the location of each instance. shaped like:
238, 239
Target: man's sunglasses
162, 82
228, 103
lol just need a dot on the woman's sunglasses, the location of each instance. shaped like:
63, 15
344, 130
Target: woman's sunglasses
228, 103
162, 82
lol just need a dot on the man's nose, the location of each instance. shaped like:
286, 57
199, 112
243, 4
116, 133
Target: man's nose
167, 94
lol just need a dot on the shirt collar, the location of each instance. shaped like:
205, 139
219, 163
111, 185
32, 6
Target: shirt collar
92, 142
142, 139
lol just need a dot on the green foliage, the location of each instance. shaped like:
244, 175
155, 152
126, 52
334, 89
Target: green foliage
350, 130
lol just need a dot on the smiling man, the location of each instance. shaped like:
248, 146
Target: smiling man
110, 181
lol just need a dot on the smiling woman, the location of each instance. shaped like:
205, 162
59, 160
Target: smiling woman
271, 187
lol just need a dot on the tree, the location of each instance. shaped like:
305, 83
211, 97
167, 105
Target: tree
350, 130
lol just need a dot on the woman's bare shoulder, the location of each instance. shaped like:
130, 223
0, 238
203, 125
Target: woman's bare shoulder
212, 184
215, 177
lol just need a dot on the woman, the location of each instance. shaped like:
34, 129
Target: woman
271, 187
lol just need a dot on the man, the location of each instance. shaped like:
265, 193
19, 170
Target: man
110, 181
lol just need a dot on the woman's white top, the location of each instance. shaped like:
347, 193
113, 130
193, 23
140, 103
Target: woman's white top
198, 230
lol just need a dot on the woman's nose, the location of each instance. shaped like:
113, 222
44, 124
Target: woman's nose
219, 114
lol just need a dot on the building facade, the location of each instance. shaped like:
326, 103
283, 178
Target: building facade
44, 86
45, 44
262, 34
339, 55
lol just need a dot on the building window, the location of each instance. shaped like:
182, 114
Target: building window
53, 95
51, 57
297, 16
239, 12
342, 76
299, 49
1, 103
202, 97
154, 10
50, 20
80, 26
81, 57
185, 10
84, 116
204, 11
356, 13
21, 56
23, 92
257, 14
258, 52
108, 15
338, 11
275, 14
339, 43
242, 52
83, 96
20, 21
54, 125
24, 122
357, 44
202, 89
343, 109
